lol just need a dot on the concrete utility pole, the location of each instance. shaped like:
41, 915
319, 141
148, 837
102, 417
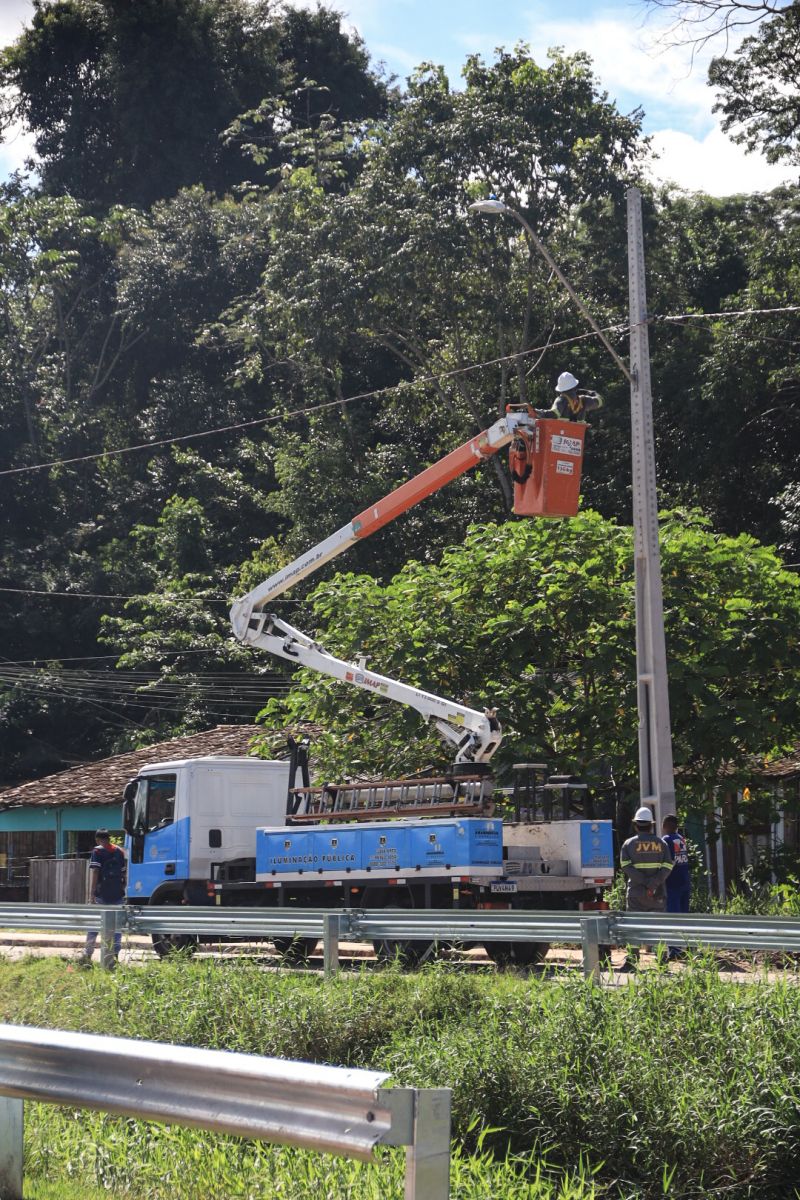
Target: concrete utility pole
656, 780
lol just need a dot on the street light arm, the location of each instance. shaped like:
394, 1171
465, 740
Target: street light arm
497, 206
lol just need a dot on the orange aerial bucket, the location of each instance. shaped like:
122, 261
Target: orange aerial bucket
546, 469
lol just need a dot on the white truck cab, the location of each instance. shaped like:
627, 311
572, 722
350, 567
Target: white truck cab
184, 816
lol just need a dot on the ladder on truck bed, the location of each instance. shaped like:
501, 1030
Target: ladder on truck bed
440, 797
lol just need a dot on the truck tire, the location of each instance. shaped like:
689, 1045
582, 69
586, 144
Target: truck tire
295, 950
406, 954
516, 954
167, 944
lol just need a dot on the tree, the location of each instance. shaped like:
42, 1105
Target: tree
537, 619
128, 102
760, 89
699, 21
758, 82
387, 284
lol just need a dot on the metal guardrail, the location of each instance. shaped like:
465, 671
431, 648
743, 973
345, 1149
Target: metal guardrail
717, 930
337, 1110
590, 930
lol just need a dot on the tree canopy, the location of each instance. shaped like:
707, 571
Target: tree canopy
245, 297
536, 619
128, 102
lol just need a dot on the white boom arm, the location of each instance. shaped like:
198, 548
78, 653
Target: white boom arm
476, 735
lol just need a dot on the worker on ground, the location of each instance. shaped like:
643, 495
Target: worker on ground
105, 886
679, 882
572, 403
646, 863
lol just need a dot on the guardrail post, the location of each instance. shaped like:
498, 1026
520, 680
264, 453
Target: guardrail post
330, 942
108, 927
595, 930
428, 1156
11, 1112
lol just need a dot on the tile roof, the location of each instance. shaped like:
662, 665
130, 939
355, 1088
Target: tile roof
783, 768
102, 782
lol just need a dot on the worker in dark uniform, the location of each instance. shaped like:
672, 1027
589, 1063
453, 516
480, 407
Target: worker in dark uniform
679, 883
572, 403
646, 862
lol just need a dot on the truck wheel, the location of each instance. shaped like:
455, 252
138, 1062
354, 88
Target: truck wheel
407, 954
295, 950
516, 954
166, 944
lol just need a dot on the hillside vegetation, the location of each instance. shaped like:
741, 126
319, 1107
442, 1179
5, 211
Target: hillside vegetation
242, 297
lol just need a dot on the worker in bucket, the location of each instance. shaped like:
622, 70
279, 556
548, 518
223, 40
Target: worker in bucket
572, 403
645, 861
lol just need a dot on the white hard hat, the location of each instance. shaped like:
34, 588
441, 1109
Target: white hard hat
643, 817
566, 382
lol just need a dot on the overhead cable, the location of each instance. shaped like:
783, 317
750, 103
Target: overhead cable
728, 312
403, 385
134, 596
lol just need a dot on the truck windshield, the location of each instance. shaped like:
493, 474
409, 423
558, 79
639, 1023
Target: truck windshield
155, 802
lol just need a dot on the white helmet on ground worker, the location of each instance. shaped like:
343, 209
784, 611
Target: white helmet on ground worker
566, 382
643, 816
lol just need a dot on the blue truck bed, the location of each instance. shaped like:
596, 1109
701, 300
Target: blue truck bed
382, 848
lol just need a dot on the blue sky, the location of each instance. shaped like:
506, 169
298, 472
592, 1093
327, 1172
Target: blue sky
624, 39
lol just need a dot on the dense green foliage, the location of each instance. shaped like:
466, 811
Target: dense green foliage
128, 103
289, 233
536, 619
680, 1077
759, 86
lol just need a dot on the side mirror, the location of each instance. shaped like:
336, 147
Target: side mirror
129, 792
128, 815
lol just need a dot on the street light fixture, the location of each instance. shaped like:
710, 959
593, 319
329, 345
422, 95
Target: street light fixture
498, 208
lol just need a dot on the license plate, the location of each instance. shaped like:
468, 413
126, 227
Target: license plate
505, 886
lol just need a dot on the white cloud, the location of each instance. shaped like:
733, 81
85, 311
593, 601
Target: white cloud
714, 164
15, 147
13, 15
399, 58
632, 62
637, 66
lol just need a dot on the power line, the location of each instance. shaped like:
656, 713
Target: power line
134, 596
26, 662
302, 412
114, 595
147, 691
728, 312
403, 385
127, 683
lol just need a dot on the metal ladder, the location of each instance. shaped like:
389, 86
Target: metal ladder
439, 797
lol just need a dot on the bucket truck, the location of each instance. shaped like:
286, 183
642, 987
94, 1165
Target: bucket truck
243, 832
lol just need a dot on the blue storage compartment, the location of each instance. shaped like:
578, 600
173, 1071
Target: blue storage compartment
336, 848
472, 842
597, 846
385, 847
283, 851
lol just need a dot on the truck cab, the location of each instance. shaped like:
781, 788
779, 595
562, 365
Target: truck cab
184, 817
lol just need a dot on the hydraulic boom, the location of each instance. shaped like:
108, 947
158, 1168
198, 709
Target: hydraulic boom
476, 735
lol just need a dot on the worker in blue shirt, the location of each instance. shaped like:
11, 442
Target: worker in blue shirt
679, 883
105, 886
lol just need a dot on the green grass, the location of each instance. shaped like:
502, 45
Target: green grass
680, 1085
